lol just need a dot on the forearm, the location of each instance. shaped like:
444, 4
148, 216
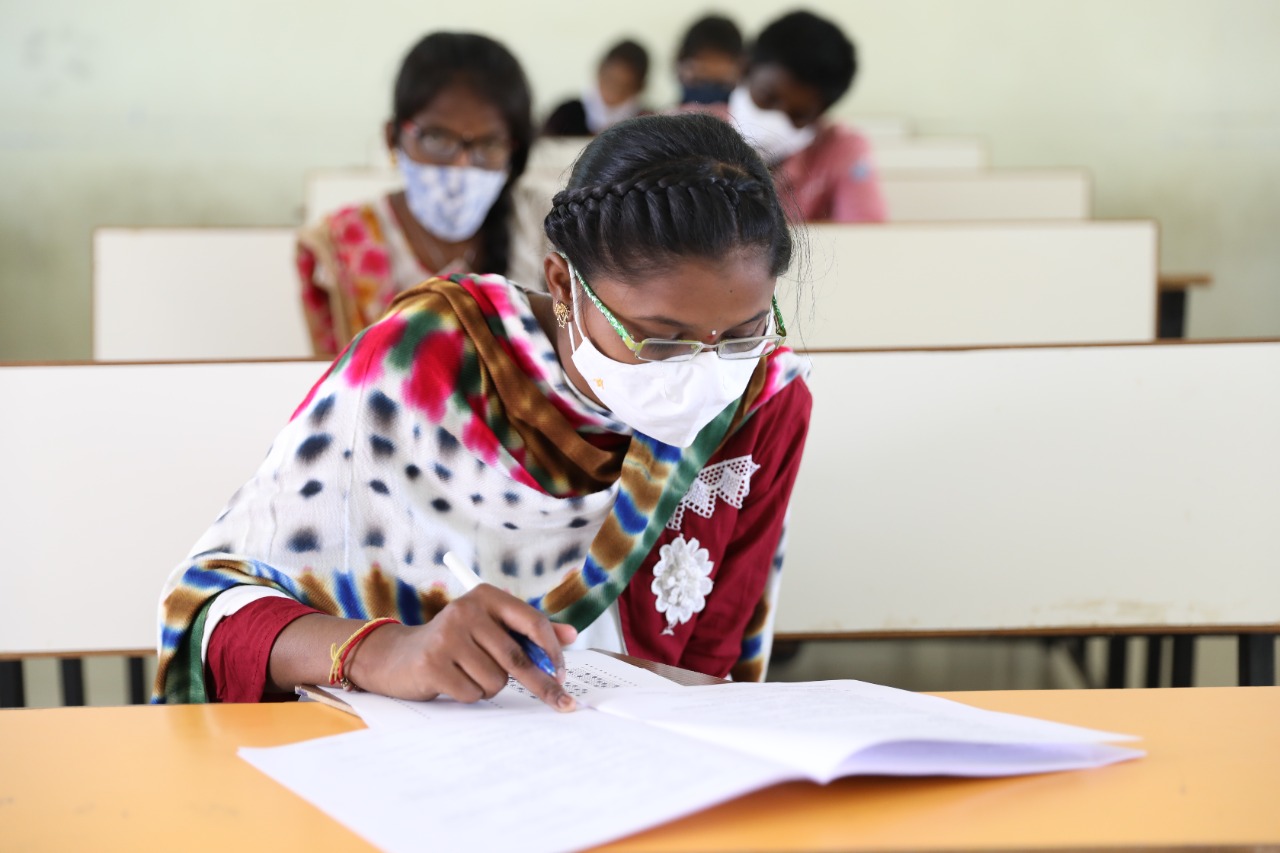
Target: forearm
301, 653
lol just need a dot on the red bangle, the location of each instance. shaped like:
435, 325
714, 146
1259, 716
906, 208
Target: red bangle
338, 654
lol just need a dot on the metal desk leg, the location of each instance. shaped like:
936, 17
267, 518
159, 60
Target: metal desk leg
1171, 320
1117, 661
1155, 659
1257, 657
137, 680
12, 692
72, 670
1184, 659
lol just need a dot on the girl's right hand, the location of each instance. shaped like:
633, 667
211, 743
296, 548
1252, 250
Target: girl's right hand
465, 652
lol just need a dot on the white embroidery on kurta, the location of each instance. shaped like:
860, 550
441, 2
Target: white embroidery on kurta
681, 580
729, 480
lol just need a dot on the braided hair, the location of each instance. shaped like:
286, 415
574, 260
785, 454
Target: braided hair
491, 72
655, 190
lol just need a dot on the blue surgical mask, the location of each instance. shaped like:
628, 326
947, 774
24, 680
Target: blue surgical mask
705, 92
450, 201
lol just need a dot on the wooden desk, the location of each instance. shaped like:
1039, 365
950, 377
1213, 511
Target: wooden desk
1183, 280
166, 778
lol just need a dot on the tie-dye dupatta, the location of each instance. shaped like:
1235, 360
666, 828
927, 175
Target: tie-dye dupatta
448, 353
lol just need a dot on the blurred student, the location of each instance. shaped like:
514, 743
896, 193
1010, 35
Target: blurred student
613, 96
460, 132
798, 68
709, 61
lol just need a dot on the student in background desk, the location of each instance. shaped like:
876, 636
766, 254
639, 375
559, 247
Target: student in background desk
612, 96
460, 132
614, 457
709, 61
798, 68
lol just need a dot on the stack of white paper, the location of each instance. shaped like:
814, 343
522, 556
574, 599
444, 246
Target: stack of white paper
513, 774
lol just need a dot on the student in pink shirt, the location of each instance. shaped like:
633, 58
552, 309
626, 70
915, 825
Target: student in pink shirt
799, 66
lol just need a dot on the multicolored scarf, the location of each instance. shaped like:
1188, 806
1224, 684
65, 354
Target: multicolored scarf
447, 425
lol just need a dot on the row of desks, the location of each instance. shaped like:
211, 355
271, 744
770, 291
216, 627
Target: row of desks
853, 286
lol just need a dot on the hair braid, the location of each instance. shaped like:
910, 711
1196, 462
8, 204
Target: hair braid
699, 203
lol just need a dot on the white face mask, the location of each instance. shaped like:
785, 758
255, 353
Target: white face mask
669, 401
450, 201
770, 132
601, 116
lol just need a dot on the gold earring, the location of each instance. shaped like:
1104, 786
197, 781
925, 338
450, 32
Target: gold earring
562, 314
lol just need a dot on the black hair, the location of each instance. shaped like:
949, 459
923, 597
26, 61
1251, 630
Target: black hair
652, 190
632, 54
490, 71
714, 33
814, 50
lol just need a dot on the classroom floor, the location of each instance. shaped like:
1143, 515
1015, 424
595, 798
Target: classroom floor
930, 665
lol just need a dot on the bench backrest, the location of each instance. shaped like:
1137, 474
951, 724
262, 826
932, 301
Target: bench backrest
196, 293
952, 491
927, 154
114, 471
1036, 490
892, 152
910, 196
974, 284
988, 196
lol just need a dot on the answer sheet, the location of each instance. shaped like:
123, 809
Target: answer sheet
589, 678
512, 773
530, 782
818, 727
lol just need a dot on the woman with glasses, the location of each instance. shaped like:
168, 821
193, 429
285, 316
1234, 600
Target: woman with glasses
460, 133
614, 457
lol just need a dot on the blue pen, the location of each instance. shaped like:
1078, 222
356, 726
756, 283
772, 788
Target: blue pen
470, 580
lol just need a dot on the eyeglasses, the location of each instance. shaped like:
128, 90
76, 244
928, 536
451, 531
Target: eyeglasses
661, 349
442, 146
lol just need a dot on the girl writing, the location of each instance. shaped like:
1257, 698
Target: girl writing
614, 457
